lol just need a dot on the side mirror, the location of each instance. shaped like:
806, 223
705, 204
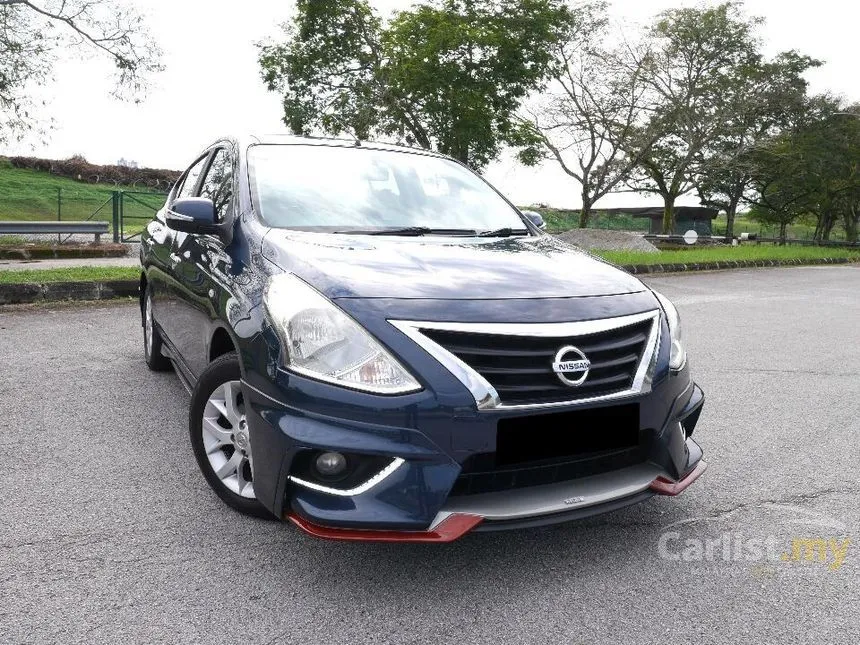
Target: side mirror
536, 219
192, 215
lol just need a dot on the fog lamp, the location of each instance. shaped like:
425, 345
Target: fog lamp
330, 464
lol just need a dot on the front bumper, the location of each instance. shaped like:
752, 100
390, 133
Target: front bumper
530, 507
414, 502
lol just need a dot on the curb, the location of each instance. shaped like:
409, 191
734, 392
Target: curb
63, 253
13, 294
730, 264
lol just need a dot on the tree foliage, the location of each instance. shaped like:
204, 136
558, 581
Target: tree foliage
34, 33
764, 98
690, 58
813, 168
447, 75
689, 103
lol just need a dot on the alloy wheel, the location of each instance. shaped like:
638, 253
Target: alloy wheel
226, 439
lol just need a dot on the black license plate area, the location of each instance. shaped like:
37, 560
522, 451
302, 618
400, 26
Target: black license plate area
556, 435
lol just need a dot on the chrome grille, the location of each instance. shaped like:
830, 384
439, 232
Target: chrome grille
519, 367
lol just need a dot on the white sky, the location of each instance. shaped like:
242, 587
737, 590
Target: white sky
212, 85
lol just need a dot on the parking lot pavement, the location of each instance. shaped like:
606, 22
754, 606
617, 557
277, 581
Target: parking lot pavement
110, 535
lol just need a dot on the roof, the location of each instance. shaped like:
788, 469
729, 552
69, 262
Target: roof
653, 212
292, 139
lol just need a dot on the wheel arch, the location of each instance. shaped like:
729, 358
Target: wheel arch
221, 342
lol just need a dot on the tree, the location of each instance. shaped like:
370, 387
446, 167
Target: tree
848, 168
763, 98
447, 75
830, 150
594, 108
813, 168
783, 190
34, 33
690, 59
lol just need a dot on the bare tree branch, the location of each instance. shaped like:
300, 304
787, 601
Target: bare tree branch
33, 34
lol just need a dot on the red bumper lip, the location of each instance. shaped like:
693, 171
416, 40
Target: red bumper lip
448, 530
663, 486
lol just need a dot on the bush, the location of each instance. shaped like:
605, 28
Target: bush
80, 169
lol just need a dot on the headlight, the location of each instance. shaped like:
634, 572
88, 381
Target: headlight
321, 341
677, 353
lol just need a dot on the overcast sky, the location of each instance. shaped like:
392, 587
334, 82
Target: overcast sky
212, 85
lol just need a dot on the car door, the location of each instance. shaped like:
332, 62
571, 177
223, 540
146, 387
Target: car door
204, 265
174, 269
156, 244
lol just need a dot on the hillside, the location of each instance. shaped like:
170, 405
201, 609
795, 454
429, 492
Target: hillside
37, 195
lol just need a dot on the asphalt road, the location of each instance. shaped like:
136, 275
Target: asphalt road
109, 535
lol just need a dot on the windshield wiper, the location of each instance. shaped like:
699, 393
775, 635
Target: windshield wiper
503, 232
411, 230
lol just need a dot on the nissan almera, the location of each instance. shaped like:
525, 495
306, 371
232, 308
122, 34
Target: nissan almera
379, 346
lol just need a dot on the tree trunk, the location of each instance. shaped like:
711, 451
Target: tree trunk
851, 220
584, 213
828, 227
731, 211
782, 228
668, 215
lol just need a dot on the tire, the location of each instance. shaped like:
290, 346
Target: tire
152, 342
220, 438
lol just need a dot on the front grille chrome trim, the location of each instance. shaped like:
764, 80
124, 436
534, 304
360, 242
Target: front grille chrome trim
485, 395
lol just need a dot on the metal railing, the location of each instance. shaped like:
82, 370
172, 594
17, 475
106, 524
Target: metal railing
132, 211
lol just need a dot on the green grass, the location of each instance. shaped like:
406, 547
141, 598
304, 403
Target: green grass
728, 253
71, 274
31, 195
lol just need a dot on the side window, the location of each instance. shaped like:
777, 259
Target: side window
190, 181
218, 184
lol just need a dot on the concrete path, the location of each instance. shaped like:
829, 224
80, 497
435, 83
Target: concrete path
127, 261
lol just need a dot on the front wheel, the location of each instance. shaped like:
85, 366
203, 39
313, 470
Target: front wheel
220, 437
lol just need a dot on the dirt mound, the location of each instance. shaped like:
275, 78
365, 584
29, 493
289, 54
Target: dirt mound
595, 238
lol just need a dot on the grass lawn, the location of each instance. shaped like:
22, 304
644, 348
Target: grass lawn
71, 274
728, 253
30, 195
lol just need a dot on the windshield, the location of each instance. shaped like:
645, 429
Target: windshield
341, 189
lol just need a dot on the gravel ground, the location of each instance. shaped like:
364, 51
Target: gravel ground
109, 534
594, 238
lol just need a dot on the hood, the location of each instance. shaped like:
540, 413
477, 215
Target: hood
362, 266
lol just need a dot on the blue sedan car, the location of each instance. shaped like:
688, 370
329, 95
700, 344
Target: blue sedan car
379, 346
